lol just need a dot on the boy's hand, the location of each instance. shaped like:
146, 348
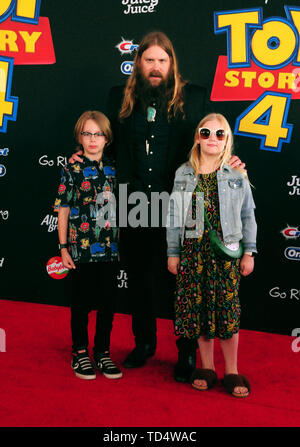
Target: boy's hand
66, 259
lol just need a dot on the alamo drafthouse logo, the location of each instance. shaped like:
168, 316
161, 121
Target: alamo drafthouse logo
50, 222
139, 6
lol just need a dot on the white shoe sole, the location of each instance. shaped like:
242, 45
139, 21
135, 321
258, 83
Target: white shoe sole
113, 376
82, 376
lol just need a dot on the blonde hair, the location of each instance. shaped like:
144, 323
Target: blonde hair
176, 102
99, 118
195, 153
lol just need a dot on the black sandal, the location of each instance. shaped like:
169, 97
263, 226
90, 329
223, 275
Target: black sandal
209, 375
231, 381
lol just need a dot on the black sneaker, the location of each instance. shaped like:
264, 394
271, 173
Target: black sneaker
81, 365
106, 365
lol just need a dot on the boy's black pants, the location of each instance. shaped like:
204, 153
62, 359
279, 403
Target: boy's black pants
92, 286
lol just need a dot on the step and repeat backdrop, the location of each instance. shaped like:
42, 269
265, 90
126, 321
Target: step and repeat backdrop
58, 59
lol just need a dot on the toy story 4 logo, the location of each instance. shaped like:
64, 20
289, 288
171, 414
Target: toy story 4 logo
262, 59
25, 39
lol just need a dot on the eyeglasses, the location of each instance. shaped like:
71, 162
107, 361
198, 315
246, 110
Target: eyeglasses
90, 135
204, 133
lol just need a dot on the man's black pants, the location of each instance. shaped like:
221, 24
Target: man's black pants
150, 284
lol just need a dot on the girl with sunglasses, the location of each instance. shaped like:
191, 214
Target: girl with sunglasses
206, 300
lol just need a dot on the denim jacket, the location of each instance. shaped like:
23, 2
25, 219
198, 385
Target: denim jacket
236, 208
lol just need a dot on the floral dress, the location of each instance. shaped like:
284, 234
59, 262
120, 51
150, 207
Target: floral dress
206, 297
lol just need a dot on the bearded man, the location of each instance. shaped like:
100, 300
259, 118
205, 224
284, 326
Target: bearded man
153, 121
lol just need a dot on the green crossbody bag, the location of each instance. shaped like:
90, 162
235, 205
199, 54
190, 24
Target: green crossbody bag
219, 248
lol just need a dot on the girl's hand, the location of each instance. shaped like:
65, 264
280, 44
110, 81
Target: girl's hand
66, 259
173, 264
247, 265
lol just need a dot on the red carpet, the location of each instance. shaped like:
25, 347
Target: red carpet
39, 389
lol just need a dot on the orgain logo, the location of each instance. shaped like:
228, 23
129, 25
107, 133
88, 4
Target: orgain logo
127, 67
2, 170
292, 253
3, 152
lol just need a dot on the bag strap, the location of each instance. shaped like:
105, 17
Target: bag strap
206, 220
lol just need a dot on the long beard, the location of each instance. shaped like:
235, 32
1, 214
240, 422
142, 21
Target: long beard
160, 94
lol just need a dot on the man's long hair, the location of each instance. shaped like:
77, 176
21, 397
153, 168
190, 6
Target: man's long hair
175, 104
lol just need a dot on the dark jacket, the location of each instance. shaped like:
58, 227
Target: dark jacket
181, 135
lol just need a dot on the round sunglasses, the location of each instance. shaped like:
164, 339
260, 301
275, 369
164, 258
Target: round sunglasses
204, 133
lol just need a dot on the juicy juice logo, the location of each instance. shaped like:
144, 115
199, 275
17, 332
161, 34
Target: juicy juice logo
261, 65
25, 39
139, 6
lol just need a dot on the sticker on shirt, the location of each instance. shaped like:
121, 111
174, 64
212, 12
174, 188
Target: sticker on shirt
109, 171
97, 231
74, 213
114, 249
85, 186
56, 205
235, 183
84, 226
90, 172
61, 189
74, 252
84, 243
93, 212
76, 168
180, 186
87, 200
72, 234
106, 190
97, 250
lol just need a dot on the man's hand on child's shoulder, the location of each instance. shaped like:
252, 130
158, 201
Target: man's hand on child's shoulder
76, 157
